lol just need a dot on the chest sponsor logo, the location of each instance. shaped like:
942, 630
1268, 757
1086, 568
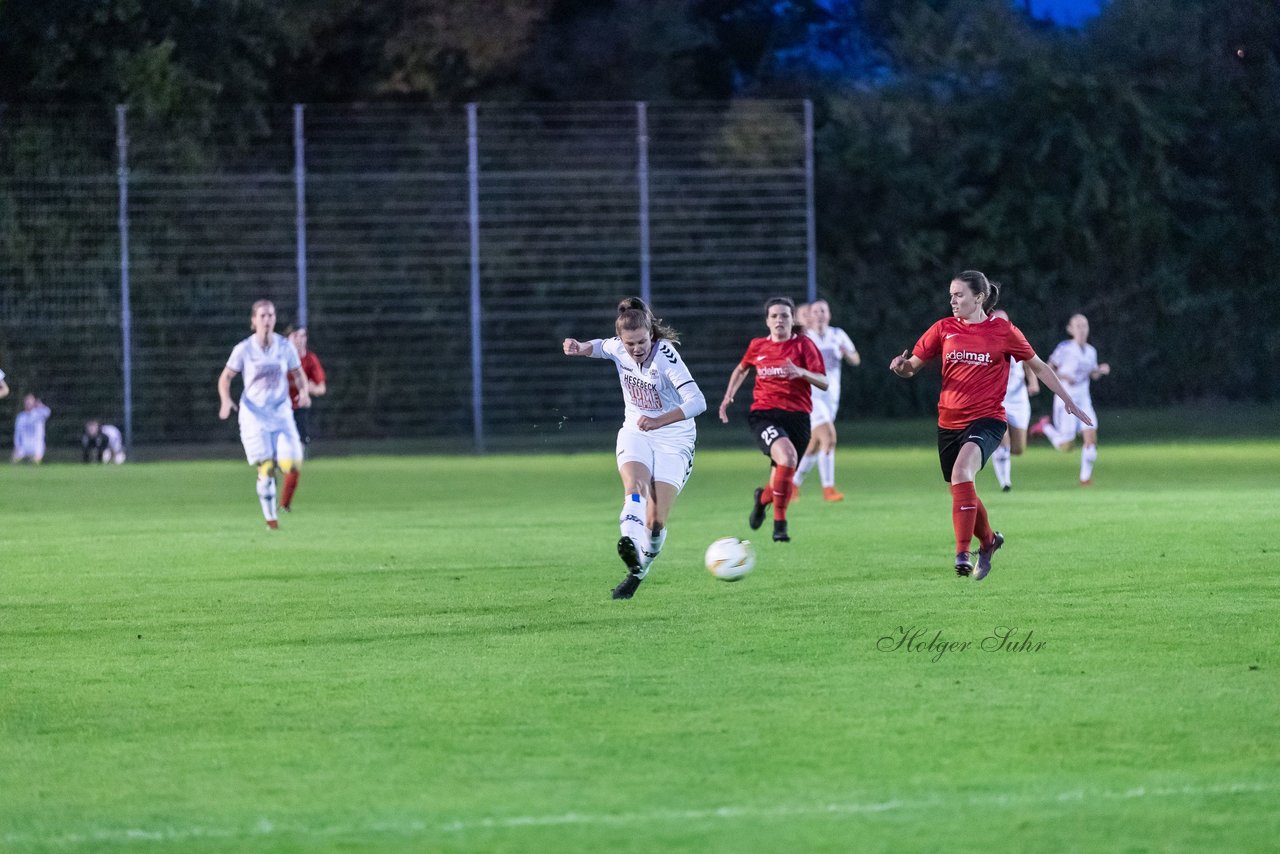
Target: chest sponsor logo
641, 394
969, 357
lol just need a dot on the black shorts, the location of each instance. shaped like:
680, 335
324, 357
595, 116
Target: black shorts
986, 433
770, 425
301, 417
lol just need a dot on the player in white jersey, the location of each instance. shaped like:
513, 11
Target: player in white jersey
836, 348
28, 430
267, 429
1017, 409
655, 444
1076, 362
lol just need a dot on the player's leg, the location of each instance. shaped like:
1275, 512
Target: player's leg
258, 451
1001, 463
963, 453
671, 470
1061, 430
1088, 455
827, 462
817, 417
289, 454
792, 432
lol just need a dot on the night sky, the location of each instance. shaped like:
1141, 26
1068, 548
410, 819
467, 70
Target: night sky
1072, 12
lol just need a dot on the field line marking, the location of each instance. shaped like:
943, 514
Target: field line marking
413, 827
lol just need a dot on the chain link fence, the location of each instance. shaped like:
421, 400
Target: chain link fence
437, 255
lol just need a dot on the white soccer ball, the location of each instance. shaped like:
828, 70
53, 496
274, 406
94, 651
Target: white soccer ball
730, 558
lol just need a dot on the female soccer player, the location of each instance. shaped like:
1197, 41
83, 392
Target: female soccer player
316, 387
787, 363
28, 430
656, 441
836, 347
267, 431
1017, 410
975, 351
1077, 361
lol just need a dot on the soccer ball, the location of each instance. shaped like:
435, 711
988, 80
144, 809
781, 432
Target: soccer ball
730, 558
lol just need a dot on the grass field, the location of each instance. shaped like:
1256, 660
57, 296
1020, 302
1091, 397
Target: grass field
426, 658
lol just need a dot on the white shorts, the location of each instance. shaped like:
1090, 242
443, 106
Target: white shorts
1017, 411
668, 462
824, 412
263, 442
1067, 424
33, 448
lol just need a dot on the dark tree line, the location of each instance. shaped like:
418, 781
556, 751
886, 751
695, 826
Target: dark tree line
1129, 169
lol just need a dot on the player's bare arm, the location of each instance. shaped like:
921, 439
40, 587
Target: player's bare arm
317, 389
4, 389
735, 382
1033, 384
853, 357
1101, 371
1054, 384
906, 365
574, 347
300, 382
794, 371
224, 393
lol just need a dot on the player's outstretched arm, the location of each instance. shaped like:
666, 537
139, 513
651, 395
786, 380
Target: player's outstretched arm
574, 347
735, 382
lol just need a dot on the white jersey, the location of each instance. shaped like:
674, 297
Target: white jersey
1017, 388
28, 430
115, 441
661, 384
832, 344
265, 372
1073, 365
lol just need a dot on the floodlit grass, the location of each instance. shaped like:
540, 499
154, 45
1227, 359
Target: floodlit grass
425, 657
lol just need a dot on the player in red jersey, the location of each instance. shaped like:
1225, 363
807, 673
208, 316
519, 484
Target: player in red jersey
787, 363
316, 387
975, 350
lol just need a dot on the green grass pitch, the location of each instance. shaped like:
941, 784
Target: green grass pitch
425, 658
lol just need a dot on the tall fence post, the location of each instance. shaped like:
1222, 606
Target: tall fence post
810, 215
300, 208
642, 179
126, 311
473, 198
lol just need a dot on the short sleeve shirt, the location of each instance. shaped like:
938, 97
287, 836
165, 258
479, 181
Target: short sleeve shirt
975, 366
773, 390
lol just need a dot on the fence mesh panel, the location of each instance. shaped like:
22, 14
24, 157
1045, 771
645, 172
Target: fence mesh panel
213, 224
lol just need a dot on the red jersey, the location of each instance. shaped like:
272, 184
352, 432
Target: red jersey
773, 390
314, 372
975, 366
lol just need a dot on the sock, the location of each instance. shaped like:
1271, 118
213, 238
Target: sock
1087, 456
290, 484
1002, 462
267, 494
635, 510
809, 461
657, 540
981, 525
781, 485
964, 514
827, 467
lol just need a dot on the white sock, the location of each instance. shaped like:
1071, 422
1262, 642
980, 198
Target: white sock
1002, 462
806, 465
827, 467
1087, 456
635, 510
655, 549
267, 496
